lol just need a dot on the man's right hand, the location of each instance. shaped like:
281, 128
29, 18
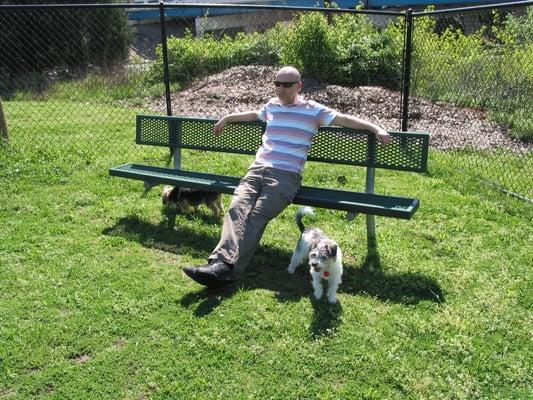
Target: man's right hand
382, 136
219, 126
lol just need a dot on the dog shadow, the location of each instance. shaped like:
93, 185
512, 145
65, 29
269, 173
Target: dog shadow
326, 319
369, 278
180, 240
168, 220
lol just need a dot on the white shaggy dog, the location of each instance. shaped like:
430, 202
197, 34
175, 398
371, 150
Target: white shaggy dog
324, 255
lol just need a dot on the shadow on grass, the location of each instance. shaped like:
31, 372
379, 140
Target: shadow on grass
269, 272
182, 241
405, 288
326, 318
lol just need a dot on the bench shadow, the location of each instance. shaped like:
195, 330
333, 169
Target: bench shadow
368, 278
408, 288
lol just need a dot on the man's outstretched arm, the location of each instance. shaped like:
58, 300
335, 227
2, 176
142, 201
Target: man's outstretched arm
348, 121
235, 117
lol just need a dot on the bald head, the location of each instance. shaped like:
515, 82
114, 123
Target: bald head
288, 74
288, 85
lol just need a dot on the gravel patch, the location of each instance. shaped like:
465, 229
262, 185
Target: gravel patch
246, 88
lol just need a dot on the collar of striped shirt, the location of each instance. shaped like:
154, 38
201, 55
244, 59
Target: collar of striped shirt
299, 100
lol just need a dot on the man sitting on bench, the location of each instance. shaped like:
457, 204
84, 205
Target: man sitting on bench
274, 177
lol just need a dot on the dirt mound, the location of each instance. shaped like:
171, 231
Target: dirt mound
245, 88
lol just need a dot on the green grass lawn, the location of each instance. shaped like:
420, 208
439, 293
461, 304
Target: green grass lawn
94, 303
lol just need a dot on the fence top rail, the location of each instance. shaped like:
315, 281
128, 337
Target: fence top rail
197, 5
263, 7
474, 8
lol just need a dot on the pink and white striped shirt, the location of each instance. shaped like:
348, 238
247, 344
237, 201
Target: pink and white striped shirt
289, 132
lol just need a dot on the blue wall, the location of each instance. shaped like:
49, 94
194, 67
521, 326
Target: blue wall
369, 4
404, 3
195, 12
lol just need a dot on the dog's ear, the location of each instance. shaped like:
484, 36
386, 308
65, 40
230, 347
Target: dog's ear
331, 249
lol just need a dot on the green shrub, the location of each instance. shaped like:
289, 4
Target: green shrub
512, 102
255, 48
191, 57
492, 72
41, 46
310, 47
349, 51
65, 41
365, 54
451, 64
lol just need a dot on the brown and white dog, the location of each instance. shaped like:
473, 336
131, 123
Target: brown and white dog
324, 256
178, 199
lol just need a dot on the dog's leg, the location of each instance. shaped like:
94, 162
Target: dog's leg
317, 284
336, 277
217, 209
333, 286
220, 206
171, 221
186, 208
298, 257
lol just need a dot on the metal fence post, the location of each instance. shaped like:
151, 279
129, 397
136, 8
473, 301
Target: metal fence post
406, 75
174, 152
165, 56
4, 136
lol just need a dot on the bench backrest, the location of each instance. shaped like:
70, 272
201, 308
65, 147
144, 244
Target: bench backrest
407, 151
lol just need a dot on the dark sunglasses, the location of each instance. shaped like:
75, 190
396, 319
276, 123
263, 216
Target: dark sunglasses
284, 84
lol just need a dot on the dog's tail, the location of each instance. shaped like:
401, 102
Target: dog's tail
300, 213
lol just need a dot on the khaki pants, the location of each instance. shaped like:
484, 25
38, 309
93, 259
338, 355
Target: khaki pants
261, 195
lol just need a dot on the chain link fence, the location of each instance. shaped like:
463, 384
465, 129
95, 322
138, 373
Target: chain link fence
72, 78
472, 72
68, 80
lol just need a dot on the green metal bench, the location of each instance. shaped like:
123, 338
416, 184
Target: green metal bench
407, 151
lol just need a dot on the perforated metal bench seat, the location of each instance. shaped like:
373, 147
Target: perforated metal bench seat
354, 202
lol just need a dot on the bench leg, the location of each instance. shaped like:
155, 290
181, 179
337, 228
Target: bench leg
371, 231
370, 219
350, 216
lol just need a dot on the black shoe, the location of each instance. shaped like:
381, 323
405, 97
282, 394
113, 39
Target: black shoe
211, 275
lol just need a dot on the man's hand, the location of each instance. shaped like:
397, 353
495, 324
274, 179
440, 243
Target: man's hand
219, 126
231, 118
349, 121
382, 136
